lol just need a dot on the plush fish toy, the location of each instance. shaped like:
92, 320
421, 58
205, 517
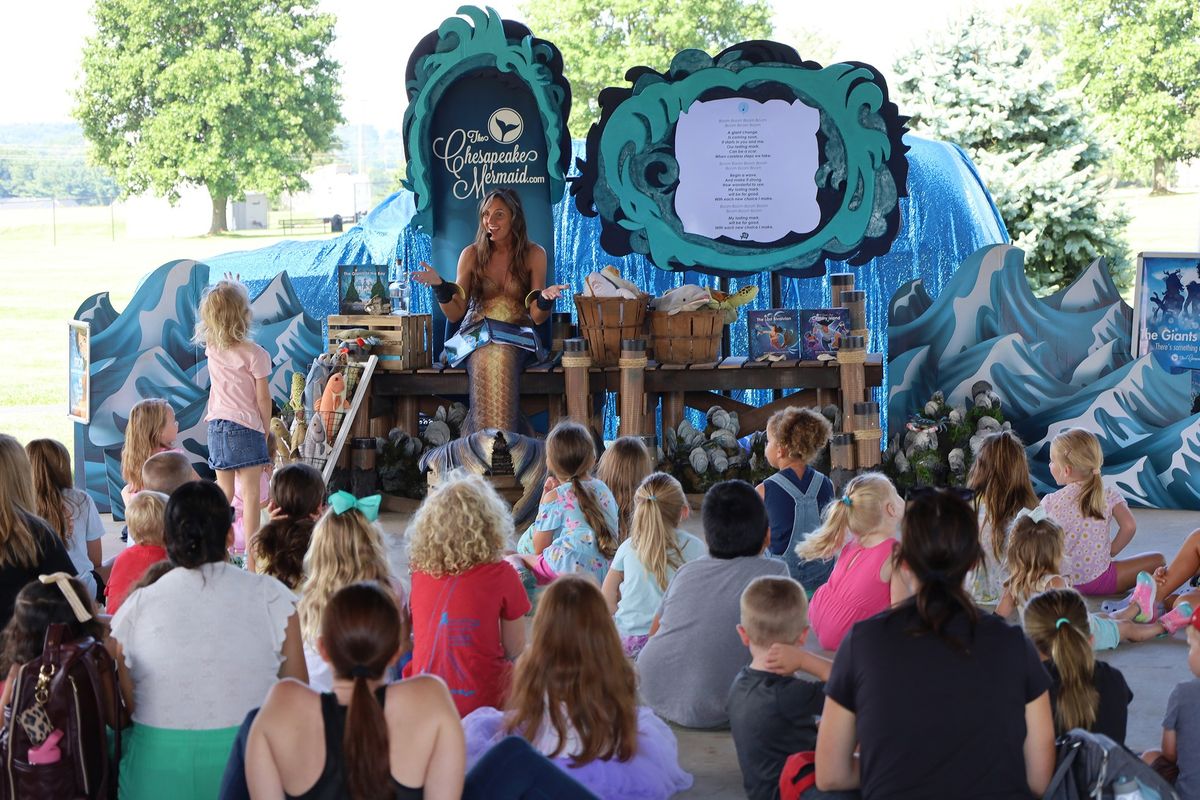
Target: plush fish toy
333, 400
314, 384
296, 401
315, 445
299, 431
688, 297
609, 283
282, 438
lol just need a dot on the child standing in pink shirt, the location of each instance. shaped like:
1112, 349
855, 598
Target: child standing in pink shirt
863, 582
1084, 509
239, 400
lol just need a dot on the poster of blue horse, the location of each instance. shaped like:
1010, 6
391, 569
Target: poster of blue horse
1167, 309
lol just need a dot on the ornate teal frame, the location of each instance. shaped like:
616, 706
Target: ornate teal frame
631, 172
460, 47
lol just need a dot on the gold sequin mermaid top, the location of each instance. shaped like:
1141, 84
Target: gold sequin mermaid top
505, 303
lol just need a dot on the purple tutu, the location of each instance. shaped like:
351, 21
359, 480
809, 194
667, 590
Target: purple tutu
652, 774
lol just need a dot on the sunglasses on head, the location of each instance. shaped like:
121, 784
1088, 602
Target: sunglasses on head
961, 492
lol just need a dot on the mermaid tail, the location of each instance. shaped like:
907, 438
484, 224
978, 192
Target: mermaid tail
475, 452
494, 372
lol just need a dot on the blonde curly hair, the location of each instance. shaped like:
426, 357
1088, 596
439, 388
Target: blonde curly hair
799, 432
461, 524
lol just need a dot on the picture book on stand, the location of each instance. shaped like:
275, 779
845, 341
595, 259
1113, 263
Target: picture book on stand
821, 331
774, 334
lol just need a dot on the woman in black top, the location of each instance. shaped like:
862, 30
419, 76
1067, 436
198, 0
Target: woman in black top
363, 739
28, 547
1084, 693
944, 701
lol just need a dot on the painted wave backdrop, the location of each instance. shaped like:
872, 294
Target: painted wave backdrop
146, 351
1056, 362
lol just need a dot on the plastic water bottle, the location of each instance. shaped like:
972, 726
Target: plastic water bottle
1127, 789
400, 292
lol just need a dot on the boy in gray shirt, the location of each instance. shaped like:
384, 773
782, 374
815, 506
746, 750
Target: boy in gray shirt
773, 713
694, 652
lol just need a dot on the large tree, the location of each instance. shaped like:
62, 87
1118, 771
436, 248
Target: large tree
984, 85
225, 94
1139, 63
601, 39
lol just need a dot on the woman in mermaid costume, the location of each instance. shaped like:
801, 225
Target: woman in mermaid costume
499, 294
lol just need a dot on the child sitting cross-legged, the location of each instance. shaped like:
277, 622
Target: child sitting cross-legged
144, 515
860, 529
574, 698
646, 562
773, 713
1035, 558
468, 604
1084, 693
693, 653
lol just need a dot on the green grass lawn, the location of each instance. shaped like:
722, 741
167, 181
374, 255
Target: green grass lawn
1169, 223
44, 277
46, 274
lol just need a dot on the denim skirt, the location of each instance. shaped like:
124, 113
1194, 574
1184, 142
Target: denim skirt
232, 446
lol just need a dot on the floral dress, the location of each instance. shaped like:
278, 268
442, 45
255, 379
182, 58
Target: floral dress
574, 547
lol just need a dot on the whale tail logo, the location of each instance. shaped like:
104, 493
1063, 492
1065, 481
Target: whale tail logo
505, 126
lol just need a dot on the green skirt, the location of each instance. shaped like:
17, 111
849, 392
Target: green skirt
182, 765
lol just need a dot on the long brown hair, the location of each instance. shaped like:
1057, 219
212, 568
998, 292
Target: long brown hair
574, 676
622, 467
17, 545
657, 511
361, 633
517, 267
298, 490
50, 465
570, 455
939, 543
1000, 478
143, 437
1080, 450
1057, 623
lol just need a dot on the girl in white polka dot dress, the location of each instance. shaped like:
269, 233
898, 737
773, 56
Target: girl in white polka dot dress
1085, 509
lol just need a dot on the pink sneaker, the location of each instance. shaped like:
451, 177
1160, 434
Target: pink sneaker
1178, 617
1143, 598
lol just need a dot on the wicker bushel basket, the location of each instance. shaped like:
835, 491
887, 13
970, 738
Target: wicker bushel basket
689, 337
605, 321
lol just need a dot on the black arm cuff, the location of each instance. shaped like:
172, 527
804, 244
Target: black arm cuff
445, 291
543, 303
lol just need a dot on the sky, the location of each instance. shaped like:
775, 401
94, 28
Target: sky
374, 38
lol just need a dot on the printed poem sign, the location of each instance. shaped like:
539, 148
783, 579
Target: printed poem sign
746, 169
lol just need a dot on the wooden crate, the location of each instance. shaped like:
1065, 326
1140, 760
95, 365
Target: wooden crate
605, 321
689, 337
405, 342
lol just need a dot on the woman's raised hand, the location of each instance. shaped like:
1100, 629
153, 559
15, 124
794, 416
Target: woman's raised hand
426, 275
553, 292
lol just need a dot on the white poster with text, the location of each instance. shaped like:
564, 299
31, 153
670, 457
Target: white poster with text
747, 169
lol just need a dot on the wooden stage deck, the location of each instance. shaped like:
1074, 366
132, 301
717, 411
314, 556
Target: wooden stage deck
398, 397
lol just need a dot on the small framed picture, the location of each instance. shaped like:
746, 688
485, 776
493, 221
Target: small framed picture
79, 364
363, 289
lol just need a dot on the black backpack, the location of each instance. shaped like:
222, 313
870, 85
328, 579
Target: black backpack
54, 742
1090, 764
